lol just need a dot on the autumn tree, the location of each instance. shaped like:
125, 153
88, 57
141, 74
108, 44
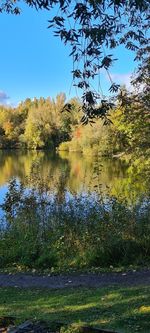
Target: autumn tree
93, 29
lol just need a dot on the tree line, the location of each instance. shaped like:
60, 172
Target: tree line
37, 123
94, 29
41, 124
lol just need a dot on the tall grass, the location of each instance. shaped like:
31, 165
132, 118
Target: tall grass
40, 231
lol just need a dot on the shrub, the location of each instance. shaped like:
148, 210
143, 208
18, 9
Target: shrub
64, 146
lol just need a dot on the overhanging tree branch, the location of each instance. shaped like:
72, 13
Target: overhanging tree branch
90, 27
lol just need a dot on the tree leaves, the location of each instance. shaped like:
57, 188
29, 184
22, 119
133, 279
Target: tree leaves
90, 28
114, 88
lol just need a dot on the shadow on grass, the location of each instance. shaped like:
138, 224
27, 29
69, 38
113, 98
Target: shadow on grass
123, 309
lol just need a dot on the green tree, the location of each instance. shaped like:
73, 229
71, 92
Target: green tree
91, 28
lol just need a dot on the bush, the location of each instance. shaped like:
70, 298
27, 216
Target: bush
64, 146
46, 260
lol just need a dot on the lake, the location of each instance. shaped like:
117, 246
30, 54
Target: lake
72, 173
72, 211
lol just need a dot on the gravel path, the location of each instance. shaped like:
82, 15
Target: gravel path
77, 280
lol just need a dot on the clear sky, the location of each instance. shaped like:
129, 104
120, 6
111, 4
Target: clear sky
33, 63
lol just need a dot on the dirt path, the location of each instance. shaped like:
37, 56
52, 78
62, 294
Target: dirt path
76, 280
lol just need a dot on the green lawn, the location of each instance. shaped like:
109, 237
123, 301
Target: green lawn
124, 309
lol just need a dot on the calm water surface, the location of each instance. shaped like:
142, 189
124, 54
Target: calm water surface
72, 173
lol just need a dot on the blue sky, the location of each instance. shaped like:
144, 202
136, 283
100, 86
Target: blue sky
33, 63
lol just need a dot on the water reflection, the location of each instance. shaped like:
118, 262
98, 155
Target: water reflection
72, 172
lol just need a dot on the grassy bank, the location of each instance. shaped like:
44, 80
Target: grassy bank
39, 233
124, 309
